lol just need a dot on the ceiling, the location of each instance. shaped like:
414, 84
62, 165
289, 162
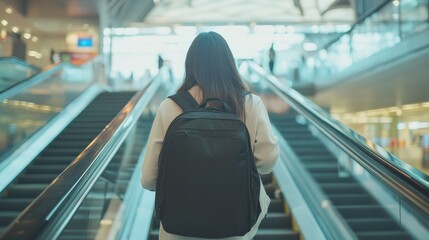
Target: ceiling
224, 12
62, 16
53, 17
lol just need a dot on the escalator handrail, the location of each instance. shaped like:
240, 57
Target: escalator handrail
63, 196
20, 62
402, 178
45, 74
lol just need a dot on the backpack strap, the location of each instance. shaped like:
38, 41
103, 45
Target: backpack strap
185, 101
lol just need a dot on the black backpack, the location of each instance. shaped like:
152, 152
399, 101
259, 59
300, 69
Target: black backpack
208, 185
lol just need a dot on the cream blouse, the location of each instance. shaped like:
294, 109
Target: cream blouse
265, 146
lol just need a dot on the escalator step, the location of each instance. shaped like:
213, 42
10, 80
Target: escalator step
301, 137
54, 159
318, 158
373, 224
25, 190
61, 152
69, 144
365, 211
322, 168
76, 137
79, 234
276, 234
294, 130
267, 178
14, 204
270, 190
39, 178
276, 220
48, 169
352, 199
384, 235
306, 143
342, 188
331, 178
276, 206
310, 151
7, 217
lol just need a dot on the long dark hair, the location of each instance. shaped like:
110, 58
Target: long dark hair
210, 64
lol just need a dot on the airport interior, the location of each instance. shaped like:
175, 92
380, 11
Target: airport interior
345, 83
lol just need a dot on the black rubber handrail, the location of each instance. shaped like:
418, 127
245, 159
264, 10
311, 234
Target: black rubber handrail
55, 206
408, 182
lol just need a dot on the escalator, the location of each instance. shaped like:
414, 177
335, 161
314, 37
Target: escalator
100, 189
347, 186
365, 216
59, 154
85, 173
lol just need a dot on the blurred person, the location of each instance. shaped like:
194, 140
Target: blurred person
52, 56
160, 62
271, 58
19, 48
211, 72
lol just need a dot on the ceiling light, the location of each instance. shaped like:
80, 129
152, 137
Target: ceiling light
290, 29
35, 39
27, 35
395, 3
4, 22
35, 54
190, 30
410, 106
315, 28
107, 31
163, 30
309, 46
15, 29
9, 10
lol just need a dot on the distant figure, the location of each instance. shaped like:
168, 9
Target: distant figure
52, 56
272, 57
19, 49
160, 62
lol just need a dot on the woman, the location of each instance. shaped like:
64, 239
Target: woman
210, 71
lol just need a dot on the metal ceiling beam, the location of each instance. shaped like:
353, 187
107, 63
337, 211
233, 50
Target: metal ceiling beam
298, 5
337, 4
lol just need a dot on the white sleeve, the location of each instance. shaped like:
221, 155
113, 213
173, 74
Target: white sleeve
154, 144
168, 110
266, 143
